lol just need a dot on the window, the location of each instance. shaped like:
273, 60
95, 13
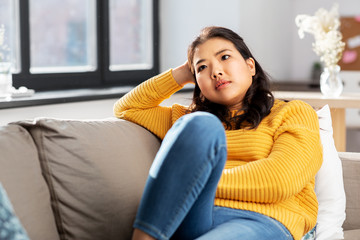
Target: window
133, 22
68, 44
65, 41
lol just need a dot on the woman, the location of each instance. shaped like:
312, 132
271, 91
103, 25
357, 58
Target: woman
235, 164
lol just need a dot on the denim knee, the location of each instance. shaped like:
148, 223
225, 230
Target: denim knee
203, 130
202, 123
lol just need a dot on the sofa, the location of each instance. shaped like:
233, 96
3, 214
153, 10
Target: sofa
83, 179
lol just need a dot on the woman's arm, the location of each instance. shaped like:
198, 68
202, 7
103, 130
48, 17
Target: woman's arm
295, 158
141, 105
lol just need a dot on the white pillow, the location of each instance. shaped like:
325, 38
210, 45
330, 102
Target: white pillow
329, 185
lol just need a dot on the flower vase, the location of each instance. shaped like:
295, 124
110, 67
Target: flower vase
331, 84
5, 79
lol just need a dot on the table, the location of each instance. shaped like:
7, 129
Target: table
337, 106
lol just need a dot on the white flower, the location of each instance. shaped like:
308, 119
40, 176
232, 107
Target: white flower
324, 26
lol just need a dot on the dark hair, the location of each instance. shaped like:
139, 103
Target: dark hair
258, 100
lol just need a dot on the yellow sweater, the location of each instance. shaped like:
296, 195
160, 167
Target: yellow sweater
269, 170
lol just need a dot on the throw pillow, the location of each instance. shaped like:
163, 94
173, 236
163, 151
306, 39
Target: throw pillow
10, 226
329, 185
311, 235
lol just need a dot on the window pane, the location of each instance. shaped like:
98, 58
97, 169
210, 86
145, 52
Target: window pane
130, 34
62, 36
9, 33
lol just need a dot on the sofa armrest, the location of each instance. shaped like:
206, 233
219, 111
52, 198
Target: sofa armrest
351, 172
352, 156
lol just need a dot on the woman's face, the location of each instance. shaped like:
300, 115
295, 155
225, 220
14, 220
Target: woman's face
221, 72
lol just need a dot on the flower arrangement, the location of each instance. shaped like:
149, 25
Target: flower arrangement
324, 25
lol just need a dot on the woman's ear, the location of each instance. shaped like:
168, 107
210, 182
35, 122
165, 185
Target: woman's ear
251, 64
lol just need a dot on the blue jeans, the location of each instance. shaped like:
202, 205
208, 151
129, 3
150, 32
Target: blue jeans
178, 199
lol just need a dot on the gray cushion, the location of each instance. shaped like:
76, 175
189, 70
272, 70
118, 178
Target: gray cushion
20, 175
351, 170
97, 171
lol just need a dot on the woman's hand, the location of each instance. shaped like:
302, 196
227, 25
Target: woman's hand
183, 75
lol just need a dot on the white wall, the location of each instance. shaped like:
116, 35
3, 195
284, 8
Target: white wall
80, 110
181, 21
263, 24
98, 109
268, 28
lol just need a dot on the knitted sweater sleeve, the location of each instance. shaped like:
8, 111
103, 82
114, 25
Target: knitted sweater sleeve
295, 158
141, 105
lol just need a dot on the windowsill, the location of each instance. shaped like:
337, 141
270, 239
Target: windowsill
67, 96
64, 96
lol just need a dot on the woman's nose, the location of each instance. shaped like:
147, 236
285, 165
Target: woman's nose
217, 72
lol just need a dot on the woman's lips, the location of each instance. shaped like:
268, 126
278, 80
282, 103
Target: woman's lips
221, 84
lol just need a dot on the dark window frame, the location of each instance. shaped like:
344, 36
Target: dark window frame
102, 76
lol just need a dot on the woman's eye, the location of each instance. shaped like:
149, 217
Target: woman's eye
202, 67
224, 57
